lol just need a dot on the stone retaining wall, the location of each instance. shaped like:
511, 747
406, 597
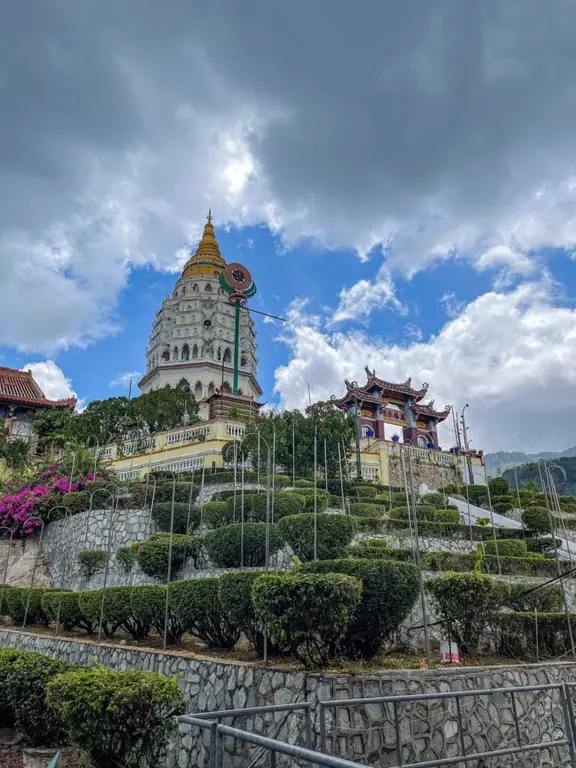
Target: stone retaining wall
365, 733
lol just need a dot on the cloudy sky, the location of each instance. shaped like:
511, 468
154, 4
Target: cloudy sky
399, 176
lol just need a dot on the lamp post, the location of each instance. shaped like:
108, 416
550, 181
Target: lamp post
466, 444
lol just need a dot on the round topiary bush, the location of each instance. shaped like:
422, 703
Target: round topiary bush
284, 503
437, 500
362, 492
451, 516
185, 520
333, 534
536, 520
215, 514
197, 607
117, 718
152, 555
307, 613
506, 547
389, 592
76, 501
367, 510
322, 498
148, 606
91, 561
126, 557
64, 608
234, 546
235, 594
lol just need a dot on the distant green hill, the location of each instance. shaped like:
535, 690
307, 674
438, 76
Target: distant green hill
497, 463
529, 473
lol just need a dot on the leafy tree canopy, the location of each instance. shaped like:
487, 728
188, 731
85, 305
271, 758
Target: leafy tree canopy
116, 417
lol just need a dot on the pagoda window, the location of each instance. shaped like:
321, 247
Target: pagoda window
175, 353
219, 353
183, 290
198, 391
226, 387
185, 352
165, 355
243, 361
194, 351
227, 355
208, 288
211, 389
183, 385
195, 288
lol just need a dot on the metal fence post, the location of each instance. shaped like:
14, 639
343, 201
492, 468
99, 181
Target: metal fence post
322, 713
569, 722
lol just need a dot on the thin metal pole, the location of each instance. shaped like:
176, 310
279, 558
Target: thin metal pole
242, 519
419, 562
567, 712
272, 491
235, 476
189, 515
201, 501
325, 466
293, 454
169, 573
155, 479
341, 479
315, 494
35, 566
258, 465
469, 515
405, 476
267, 566
107, 568
492, 521
63, 580
11, 532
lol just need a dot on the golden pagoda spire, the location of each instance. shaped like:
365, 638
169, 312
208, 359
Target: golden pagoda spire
207, 259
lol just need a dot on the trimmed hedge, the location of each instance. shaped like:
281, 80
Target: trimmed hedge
197, 607
322, 498
536, 597
536, 520
389, 592
91, 561
152, 555
148, 606
235, 595
506, 547
465, 600
64, 608
367, 510
116, 718
76, 501
308, 613
184, 519
285, 503
363, 492
126, 557
24, 677
228, 547
333, 535
515, 634
215, 514
23, 601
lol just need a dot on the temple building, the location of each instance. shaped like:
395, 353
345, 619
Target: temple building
192, 346
20, 399
388, 410
192, 339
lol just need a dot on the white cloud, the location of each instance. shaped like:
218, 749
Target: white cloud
51, 380
364, 297
123, 379
511, 355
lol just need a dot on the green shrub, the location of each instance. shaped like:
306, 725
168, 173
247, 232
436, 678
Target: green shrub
501, 507
506, 547
536, 520
148, 607
91, 561
374, 543
437, 500
448, 561
302, 482
235, 595
152, 555
307, 613
307, 494
285, 503
228, 547
76, 501
24, 676
544, 598
543, 545
215, 514
450, 516
465, 600
164, 492
126, 557
114, 602
184, 519
399, 499
367, 510
363, 492
23, 601
333, 534
197, 607
64, 608
224, 495
234, 509
515, 634
498, 486
389, 591
117, 718
374, 553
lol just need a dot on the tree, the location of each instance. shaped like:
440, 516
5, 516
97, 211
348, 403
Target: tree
329, 423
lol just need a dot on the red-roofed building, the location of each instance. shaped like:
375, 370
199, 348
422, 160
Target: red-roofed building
20, 398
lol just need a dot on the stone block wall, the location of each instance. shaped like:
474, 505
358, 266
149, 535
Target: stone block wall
364, 733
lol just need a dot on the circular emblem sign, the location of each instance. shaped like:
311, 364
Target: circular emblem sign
238, 276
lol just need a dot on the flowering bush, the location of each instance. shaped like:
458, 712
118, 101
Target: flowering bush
23, 509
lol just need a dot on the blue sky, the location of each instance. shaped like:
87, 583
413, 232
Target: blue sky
409, 205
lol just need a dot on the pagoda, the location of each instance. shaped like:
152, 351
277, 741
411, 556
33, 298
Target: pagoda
387, 409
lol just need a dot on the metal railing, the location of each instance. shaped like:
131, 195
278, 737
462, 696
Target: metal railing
466, 756
306, 755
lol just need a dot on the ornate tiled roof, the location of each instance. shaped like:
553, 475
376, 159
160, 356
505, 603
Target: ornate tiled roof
207, 258
427, 409
19, 388
404, 387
